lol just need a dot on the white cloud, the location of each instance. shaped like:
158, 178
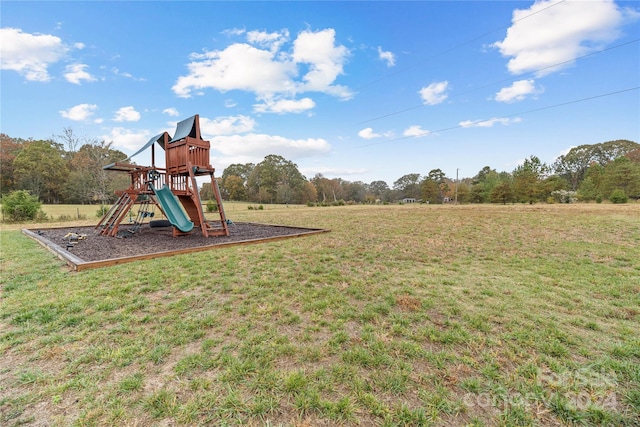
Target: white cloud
518, 91
79, 112
489, 123
325, 61
127, 139
239, 66
117, 72
560, 33
387, 56
76, 73
285, 106
126, 114
368, 133
226, 125
272, 41
415, 130
270, 73
29, 54
256, 146
435, 93
234, 32
171, 111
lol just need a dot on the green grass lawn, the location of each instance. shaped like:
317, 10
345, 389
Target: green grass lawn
402, 315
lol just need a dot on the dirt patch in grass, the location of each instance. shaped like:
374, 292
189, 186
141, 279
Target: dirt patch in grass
408, 302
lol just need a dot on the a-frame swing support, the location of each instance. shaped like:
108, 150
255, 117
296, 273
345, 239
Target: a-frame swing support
187, 157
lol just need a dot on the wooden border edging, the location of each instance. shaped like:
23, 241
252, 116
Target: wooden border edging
78, 264
72, 260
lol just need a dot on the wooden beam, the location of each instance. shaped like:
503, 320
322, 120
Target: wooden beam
64, 255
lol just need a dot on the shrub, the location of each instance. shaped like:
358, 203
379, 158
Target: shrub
102, 211
41, 216
618, 196
563, 196
212, 206
21, 206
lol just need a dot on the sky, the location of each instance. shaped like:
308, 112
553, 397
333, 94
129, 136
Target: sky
358, 90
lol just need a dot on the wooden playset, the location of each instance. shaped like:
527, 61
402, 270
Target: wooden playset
173, 189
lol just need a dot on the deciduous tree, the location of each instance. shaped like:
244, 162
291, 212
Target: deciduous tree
440, 178
408, 185
276, 178
41, 169
206, 192
634, 155
464, 192
88, 182
9, 149
483, 184
234, 187
309, 193
240, 170
430, 191
328, 190
378, 188
573, 165
355, 191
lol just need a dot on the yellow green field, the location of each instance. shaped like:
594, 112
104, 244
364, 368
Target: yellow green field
476, 315
62, 215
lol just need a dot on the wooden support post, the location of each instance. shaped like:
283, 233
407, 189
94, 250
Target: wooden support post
195, 196
223, 217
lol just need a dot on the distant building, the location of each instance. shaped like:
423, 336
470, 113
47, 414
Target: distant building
408, 200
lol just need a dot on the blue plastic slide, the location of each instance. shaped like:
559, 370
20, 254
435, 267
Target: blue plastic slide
172, 209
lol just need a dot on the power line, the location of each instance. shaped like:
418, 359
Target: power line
548, 107
455, 47
415, 107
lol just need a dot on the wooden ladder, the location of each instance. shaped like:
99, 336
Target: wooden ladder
112, 219
195, 212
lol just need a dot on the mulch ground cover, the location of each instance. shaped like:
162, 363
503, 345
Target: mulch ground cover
86, 244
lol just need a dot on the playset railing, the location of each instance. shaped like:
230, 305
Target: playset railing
188, 151
142, 177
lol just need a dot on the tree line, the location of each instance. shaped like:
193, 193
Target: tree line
62, 169
609, 170
68, 169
